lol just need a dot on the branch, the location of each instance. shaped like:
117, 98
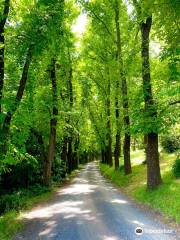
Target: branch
5, 14
174, 103
104, 24
97, 84
168, 105
95, 50
138, 8
95, 126
24, 76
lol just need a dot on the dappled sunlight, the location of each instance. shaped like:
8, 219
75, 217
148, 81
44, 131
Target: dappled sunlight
137, 161
165, 167
80, 180
69, 216
109, 188
91, 202
166, 161
120, 201
138, 223
174, 187
66, 207
110, 238
76, 189
102, 181
49, 225
137, 157
142, 183
52, 214
177, 181
164, 164
67, 211
47, 232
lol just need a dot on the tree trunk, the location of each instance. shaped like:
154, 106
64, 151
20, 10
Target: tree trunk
117, 151
64, 156
41, 150
134, 144
153, 166
122, 78
98, 133
145, 148
71, 88
69, 156
126, 151
3, 20
102, 155
109, 153
108, 136
4, 133
53, 125
118, 143
106, 154
76, 155
152, 154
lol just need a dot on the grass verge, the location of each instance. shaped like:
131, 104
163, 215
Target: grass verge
165, 199
10, 223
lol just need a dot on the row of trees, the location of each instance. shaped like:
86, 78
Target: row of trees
60, 105
131, 88
39, 112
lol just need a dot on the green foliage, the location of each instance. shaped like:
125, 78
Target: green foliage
19, 200
9, 225
176, 168
16, 156
59, 166
11, 202
171, 143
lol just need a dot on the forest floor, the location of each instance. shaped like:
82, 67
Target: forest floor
91, 208
165, 200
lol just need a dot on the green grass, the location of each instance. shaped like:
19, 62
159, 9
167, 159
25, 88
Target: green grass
9, 225
165, 198
11, 222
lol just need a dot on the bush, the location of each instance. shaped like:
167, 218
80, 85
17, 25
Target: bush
176, 168
171, 143
11, 202
19, 200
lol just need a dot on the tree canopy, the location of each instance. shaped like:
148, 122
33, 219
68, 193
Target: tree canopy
65, 101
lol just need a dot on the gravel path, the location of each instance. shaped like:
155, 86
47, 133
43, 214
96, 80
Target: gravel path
91, 208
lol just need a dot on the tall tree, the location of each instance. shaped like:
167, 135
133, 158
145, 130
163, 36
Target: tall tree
108, 150
7, 121
152, 153
53, 126
122, 79
70, 101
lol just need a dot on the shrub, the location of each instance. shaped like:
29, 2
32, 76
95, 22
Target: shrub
171, 143
176, 168
19, 200
11, 202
